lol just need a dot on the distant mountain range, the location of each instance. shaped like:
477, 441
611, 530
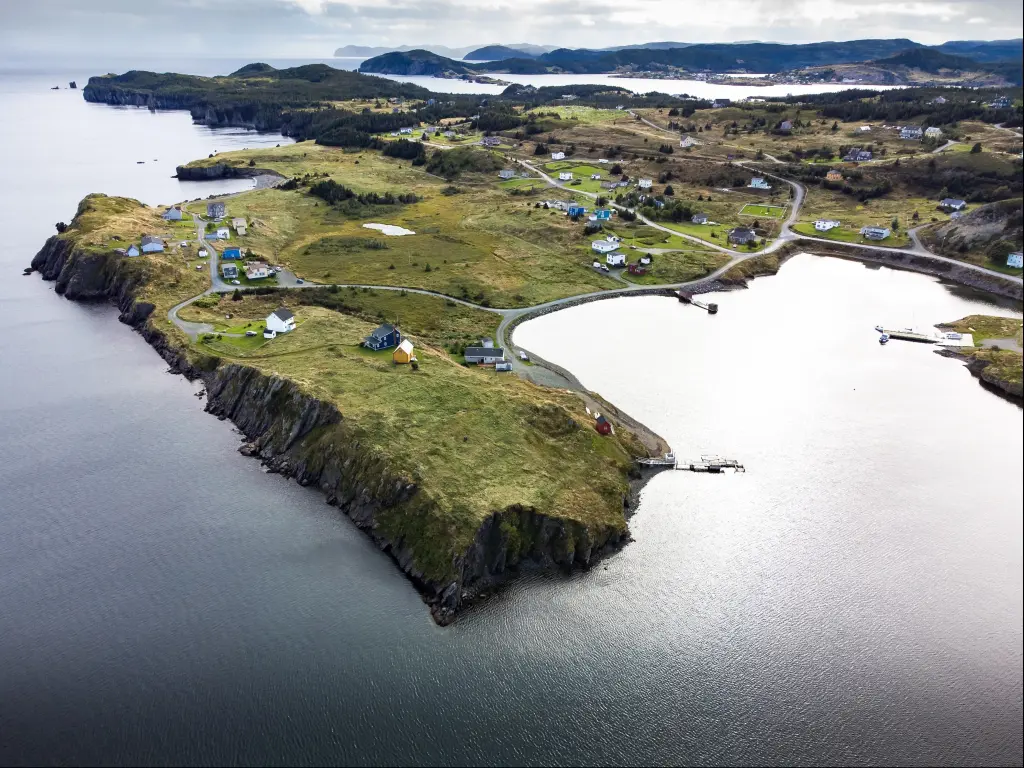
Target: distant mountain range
519, 49
715, 57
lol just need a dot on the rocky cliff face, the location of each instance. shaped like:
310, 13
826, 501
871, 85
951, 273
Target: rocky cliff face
220, 171
302, 437
236, 116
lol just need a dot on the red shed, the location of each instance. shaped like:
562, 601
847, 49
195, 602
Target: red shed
636, 269
602, 425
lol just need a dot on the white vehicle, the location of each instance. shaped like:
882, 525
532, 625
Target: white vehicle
235, 282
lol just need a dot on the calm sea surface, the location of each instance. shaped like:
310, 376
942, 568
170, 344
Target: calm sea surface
222, 66
854, 598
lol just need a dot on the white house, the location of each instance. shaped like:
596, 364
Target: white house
256, 270
133, 250
405, 131
223, 233
688, 141
203, 253
506, 174
281, 320
948, 203
565, 176
875, 233
558, 155
933, 132
615, 259
758, 183
865, 129
824, 225
1015, 259
645, 259
911, 132
603, 246
173, 214
239, 225
152, 244
602, 160
645, 183
595, 176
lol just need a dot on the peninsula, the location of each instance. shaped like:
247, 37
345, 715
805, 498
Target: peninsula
352, 314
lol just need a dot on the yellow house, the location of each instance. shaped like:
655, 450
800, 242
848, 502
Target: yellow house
834, 176
403, 353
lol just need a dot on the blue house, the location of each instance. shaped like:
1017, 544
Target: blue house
385, 337
232, 253
603, 214
576, 210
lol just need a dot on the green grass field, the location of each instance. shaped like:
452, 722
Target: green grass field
763, 211
851, 234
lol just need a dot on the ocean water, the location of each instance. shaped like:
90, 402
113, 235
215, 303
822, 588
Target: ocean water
117, 62
854, 598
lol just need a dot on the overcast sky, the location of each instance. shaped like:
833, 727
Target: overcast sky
314, 28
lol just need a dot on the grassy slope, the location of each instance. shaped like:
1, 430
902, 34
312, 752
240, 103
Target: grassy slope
473, 440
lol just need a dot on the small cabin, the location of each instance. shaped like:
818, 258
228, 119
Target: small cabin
603, 426
403, 354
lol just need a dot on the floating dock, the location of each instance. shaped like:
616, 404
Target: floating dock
942, 338
687, 298
711, 464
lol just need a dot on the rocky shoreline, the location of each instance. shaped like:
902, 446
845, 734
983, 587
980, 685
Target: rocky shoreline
301, 437
980, 369
956, 273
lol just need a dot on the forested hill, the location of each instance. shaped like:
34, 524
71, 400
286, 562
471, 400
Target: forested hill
718, 57
258, 86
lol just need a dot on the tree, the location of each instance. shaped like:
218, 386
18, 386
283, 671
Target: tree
895, 224
669, 191
61, 227
976, 148
237, 295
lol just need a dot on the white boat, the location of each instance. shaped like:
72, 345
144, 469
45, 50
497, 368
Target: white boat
883, 339
879, 328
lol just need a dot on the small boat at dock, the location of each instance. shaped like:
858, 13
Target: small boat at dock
883, 339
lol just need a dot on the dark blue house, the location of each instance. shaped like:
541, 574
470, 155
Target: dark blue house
576, 210
232, 253
385, 337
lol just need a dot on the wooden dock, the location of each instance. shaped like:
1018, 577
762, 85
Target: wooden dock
711, 464
687, 298
942, 338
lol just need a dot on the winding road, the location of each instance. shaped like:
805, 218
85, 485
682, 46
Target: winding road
548, 373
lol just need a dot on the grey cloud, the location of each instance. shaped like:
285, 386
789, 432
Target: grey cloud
268, 28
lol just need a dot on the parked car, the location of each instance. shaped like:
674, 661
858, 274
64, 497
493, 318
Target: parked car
299, 281
235, 282
199, 266
250, 333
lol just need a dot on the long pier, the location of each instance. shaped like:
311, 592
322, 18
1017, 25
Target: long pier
711, 464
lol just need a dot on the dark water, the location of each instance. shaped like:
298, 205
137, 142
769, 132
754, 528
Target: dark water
855, 598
